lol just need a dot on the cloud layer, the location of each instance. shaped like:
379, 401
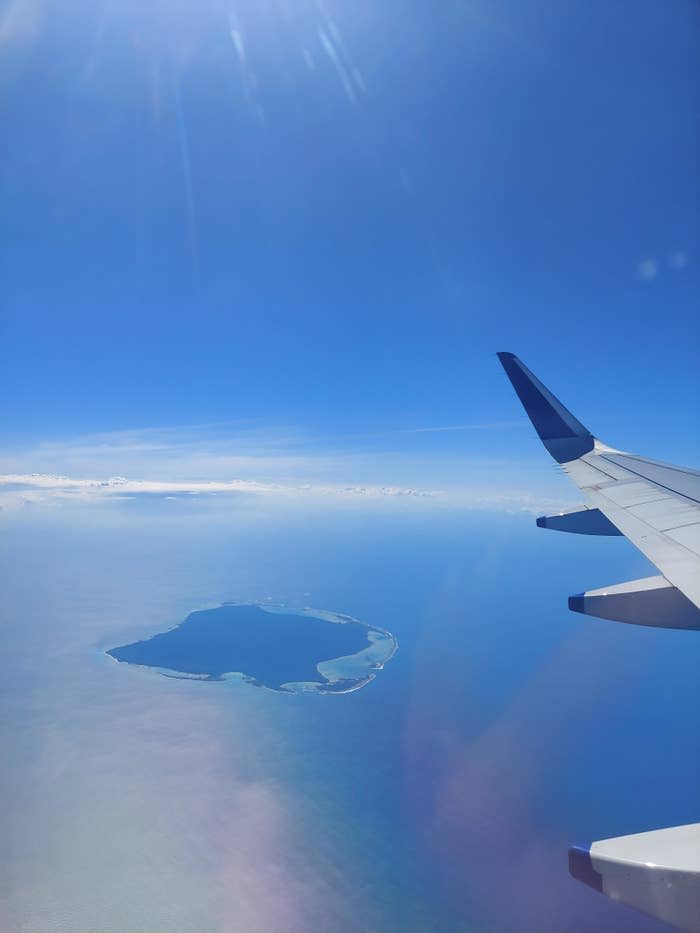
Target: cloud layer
39, 486
202, 462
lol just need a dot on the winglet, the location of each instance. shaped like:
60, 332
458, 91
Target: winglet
561, 433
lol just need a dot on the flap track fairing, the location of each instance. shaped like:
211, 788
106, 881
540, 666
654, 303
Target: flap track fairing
651, 601
581, 521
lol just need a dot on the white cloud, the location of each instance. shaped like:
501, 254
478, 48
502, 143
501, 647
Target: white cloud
245, 463
486, 426
20, 489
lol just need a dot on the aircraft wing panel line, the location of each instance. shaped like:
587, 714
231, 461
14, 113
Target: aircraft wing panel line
665, 515
688, 536
688, 475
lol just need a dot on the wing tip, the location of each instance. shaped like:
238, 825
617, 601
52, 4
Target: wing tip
560, 431
581, 867
576, 602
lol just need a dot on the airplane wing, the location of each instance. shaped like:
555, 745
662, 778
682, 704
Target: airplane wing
657, 507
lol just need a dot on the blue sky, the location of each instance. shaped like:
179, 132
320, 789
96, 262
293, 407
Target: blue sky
321, 220
256, 260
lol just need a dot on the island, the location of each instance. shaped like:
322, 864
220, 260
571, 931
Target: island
282, 649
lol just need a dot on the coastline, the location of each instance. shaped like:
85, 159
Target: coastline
341, 675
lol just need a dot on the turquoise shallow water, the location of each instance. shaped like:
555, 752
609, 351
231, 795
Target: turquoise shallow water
441, 796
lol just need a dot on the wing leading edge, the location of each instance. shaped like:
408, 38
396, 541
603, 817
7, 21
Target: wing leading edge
657, 507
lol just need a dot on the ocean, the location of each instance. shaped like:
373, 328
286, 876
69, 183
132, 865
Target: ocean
440, 796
